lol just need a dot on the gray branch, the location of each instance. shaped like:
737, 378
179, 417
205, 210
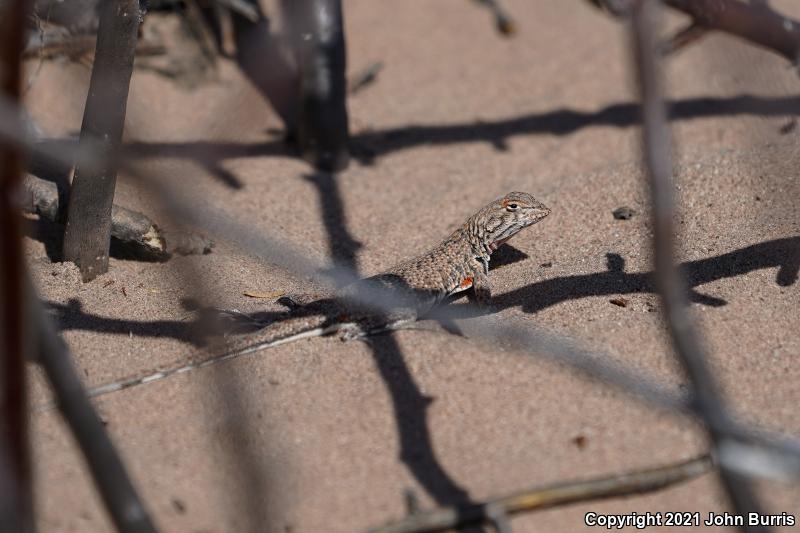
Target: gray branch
112, 480
685, 336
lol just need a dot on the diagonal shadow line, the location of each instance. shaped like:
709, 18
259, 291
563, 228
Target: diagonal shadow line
565, 121
368, 145
72, 316
410, 405
783, 254
411, 415
343, 246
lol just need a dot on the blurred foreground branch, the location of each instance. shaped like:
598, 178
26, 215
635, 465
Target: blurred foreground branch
112, 480
16, 495
536, 498
671, 286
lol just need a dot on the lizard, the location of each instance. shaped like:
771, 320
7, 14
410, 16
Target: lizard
413, 287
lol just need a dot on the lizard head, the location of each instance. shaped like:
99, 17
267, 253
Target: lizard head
507, 216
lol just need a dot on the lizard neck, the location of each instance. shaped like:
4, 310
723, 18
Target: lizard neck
475, 232
478, 245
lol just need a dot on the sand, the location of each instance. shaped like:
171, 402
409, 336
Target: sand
321, 435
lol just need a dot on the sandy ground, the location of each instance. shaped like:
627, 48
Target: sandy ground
320, 435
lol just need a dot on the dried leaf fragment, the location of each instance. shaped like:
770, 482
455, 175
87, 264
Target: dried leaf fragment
274, 295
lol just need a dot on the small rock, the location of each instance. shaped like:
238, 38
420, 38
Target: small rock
580, 441
623, 213
178, 505
548, 264
621, 302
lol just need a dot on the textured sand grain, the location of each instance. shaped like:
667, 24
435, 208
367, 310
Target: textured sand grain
308, 437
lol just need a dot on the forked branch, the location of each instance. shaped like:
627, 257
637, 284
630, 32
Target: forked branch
754, 22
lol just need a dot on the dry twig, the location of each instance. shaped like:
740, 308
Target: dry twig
53, 44
539, 497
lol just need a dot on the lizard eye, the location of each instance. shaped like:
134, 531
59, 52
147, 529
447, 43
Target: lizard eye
512, 207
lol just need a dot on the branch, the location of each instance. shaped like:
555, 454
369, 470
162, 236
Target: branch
108, 471
317, 37
88, 230
755, 22
130, 227
548, 496
16, 493
671, 286
57, 44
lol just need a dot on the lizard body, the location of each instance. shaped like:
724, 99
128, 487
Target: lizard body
417, 285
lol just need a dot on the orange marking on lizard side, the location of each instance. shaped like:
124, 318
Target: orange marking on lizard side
467, 283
